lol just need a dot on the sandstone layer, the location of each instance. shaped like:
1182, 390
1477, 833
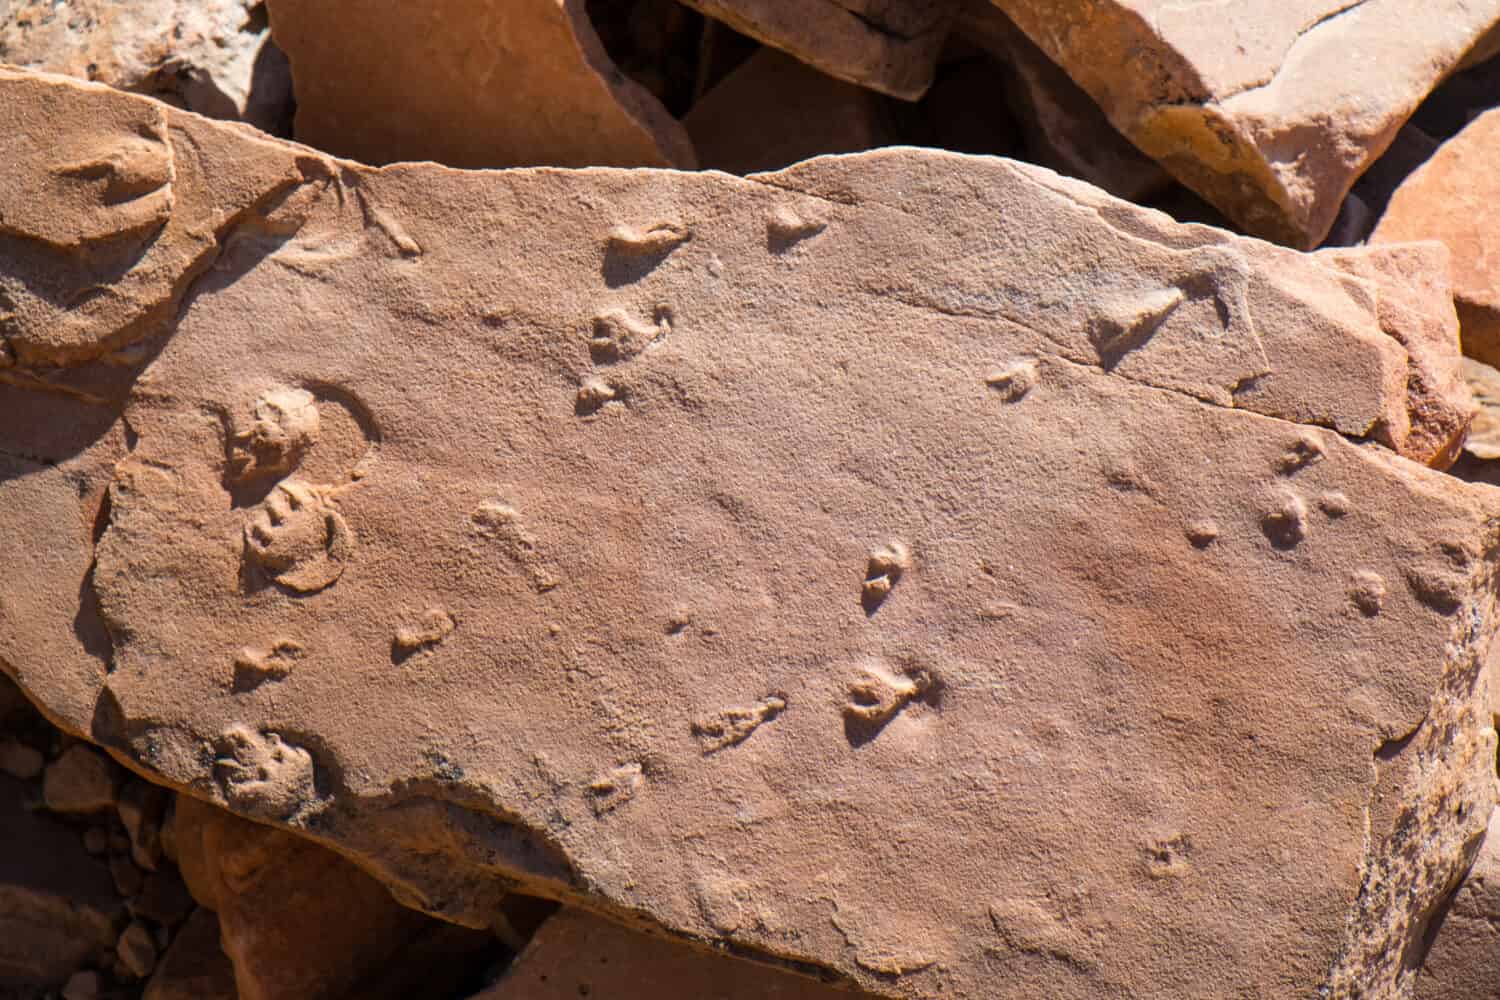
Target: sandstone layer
1269, 110
904, 567
482, 83
887, 45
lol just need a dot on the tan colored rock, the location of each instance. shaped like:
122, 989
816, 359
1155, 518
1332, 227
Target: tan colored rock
1465, 955
575, 954
82, 780
194, 967
891, 46
485, 83
1065, 129
1415, 308
213, 57
1269, 110
57, 906
773, 111
297, 921
906, 565
1483, 441
1449, 198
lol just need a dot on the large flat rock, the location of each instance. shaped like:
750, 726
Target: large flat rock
1270, 109
912, 566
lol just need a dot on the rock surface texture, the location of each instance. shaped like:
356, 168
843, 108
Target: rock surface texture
887, 45
917, 569
1451, 198
1271, 111
214, 57
481, 83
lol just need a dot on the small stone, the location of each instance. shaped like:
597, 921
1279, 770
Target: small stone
142, 807
20, 761
137, 949
82, 780
84, 985
95, 840
128, 878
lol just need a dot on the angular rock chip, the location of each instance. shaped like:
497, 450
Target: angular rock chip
213, 57
483, 83
576, 954
1164, 622
887, 45
1451, 198
1270, 110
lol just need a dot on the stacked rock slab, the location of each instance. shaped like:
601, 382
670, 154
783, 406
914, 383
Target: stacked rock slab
1270, 110
907, 565
483, 83
887, 45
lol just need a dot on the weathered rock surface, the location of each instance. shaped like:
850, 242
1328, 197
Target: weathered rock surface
907, 564
298, 921
575, 954
773, 111
57, 906
887, 45
1451, 198
82, 780
1464, 962
1269, 110
484, 83
213, 57
1415, 307
1483, 441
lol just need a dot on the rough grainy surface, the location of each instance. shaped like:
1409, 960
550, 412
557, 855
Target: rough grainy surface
906, 565
887, 45
576, 954
1268, 110
1450, 198
482, 83
214, 57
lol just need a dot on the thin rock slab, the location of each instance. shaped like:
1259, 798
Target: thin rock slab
1451, 198
576, 954
887, 45
1464, 961
1269, 110
909, 566
482, 83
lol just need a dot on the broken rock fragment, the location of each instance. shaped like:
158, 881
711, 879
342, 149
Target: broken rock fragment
887, 45
213, 57
1451, 198
1270, 110
483, 83
1075, 450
